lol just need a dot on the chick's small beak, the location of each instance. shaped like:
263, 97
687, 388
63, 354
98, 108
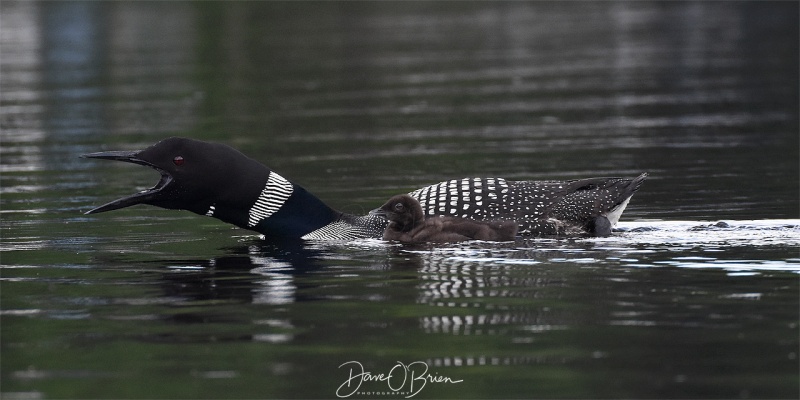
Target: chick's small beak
379, 212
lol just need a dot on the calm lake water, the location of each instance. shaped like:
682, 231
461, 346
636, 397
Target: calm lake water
695, 296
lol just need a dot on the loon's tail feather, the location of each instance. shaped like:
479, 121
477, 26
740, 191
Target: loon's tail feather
637, 182
615, 213
587, 199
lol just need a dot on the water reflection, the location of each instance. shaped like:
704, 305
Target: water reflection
258, 273
476, 289
74, 60
151, 68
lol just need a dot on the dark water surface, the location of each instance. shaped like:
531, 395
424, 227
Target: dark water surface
360, 101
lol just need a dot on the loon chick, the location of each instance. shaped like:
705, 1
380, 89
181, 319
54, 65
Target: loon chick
408, 224
218, 181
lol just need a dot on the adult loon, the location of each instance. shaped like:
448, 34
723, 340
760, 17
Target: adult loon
407, 224
218, 181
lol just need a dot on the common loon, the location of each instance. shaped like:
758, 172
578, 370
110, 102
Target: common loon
218, 181
407, 224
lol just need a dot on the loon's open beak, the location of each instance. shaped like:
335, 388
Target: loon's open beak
138, 198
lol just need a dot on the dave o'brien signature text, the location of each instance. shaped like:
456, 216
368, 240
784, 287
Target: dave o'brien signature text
414, 374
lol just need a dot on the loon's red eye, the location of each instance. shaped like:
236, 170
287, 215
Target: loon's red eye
178, 160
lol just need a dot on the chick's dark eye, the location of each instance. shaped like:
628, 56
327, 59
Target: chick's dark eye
398, 207
178, 160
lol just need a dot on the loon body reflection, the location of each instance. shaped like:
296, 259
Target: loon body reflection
408, 224
218, 181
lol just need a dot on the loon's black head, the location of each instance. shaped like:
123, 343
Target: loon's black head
218, 181
194, 174
403, 212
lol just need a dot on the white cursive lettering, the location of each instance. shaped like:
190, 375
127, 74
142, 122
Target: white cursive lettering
395, 379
